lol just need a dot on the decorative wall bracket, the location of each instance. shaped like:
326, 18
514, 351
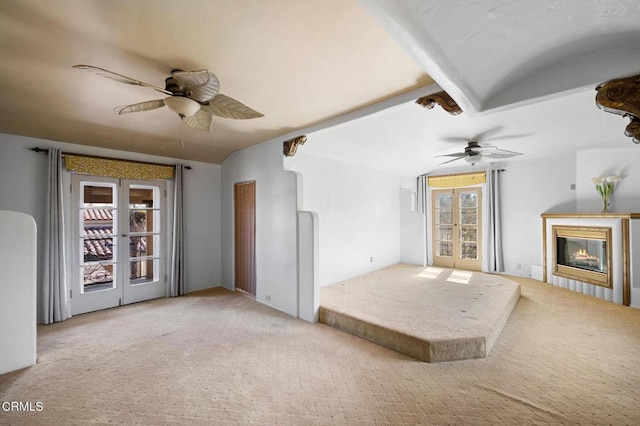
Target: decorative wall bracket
290, 146
622, 96
442, 99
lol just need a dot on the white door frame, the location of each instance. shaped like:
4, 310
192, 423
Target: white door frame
123, 290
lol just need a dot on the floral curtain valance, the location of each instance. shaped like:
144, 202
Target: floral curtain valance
116, 168
457, 181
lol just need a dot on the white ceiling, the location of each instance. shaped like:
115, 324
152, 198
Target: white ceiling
406, 138
525, 69
523, 72
492, 53
297, 62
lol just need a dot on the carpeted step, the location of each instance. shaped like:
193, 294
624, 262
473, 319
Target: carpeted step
431, 317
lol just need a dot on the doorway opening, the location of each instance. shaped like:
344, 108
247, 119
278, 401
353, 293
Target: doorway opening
118, 242
457, 228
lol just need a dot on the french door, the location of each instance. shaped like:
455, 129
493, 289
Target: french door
119, 242
457, 228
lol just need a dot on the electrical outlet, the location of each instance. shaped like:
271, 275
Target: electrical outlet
371, 259
267, 297
518, 266
573, 187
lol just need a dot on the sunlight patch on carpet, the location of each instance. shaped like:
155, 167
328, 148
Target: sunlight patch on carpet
430, 272
461, 277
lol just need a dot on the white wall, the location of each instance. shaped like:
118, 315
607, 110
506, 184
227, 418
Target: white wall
202, 219
598, 163
18, 289
23, 184
358, 210
412, 229
529, 188
276, 218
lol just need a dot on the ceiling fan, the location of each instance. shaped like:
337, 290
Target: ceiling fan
193, 95
474, 153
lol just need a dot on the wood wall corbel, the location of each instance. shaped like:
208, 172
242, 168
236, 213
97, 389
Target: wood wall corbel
622, 96
441, 98
290, 146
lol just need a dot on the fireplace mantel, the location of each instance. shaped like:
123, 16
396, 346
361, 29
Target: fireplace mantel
590, 215
623, 226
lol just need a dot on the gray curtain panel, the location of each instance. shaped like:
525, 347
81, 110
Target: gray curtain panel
55, 306
423, 208
494, 246
177, 284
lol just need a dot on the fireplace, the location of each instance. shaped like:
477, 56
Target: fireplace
583, 253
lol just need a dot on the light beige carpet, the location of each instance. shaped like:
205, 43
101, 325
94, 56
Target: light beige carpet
432, 314
218, 357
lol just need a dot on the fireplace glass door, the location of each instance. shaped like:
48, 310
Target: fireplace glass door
583, 254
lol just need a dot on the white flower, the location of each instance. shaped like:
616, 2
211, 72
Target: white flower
605, 185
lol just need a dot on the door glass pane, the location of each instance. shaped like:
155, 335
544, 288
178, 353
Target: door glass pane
144, 236
469, 233
97, 276
141, 196
469, 251
444, 224
98, 249
469, 216
468, 199
98, 218
445, 248
445, 233
141, 220
143, 246
468, 229
445, 217
444, 201
143, 271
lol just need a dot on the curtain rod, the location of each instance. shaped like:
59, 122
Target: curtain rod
46, 151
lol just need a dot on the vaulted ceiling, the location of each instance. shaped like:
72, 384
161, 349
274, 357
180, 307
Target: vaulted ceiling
304, 62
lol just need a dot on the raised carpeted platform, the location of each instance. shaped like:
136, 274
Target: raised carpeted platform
432, 314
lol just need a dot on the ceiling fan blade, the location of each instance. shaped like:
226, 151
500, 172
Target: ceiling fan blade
224, 106
201, 86
200, 120
450, 161
506, 137
455, 154
486, 135
454, 139
478, 137
119, 77
142, 106
500, 153
483, 149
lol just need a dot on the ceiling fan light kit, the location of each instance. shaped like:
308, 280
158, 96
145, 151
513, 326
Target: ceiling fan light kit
182, 106
475, 159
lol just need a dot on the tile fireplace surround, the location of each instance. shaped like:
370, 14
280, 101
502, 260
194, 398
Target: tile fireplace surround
619, 232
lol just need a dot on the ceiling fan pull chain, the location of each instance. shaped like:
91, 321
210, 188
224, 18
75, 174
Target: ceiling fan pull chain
182, 134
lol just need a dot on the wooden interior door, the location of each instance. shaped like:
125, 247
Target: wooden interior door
244, 196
